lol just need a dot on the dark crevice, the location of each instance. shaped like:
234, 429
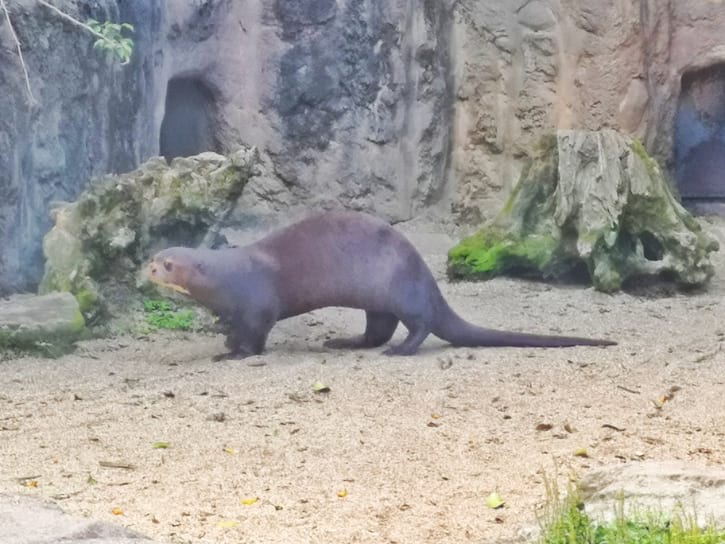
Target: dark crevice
653, 249
699, 139
190, 122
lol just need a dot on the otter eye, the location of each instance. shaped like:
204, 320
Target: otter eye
168, 266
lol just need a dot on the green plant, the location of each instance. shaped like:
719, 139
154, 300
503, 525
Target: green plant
112, 40
109, 38
162, 314
566, 522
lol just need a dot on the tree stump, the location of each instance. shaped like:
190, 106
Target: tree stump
593, 202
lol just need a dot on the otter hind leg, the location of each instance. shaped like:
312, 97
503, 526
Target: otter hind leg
418, 331
378, 330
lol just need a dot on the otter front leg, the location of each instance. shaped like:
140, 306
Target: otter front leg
246, 337
243, 343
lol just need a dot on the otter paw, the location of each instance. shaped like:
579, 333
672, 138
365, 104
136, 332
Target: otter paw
399, 350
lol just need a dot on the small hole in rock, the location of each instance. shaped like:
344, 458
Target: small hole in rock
653, 250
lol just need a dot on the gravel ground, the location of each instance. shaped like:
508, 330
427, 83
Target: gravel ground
401, 450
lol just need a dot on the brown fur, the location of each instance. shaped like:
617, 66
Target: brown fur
334, 259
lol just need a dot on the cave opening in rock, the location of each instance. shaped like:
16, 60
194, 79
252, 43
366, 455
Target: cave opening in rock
190, 119
652, 248
699, 139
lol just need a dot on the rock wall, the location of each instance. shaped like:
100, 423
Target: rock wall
83, 124
351, 100
391, 107
524, 68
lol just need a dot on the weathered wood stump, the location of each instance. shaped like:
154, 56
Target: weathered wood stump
591, 201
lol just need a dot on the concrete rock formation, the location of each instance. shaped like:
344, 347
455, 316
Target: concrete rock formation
592, 203
531, 66
27, 520
48, 324
390, 107
657, 486
118, 222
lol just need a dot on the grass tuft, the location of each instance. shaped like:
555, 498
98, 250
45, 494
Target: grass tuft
162, 314
565, 522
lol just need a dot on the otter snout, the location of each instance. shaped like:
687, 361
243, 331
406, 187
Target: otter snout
153, 267
162, 271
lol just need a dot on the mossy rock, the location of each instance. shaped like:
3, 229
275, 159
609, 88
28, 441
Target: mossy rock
491, 252
45, 324
593, 202
100, 241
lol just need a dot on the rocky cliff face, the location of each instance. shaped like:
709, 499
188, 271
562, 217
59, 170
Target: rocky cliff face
86, 122
351, 100
526, 67
387, 106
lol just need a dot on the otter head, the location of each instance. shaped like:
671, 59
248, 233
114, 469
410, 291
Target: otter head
178, 268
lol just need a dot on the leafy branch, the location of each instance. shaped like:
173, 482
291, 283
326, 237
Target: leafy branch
109, 36
112, 40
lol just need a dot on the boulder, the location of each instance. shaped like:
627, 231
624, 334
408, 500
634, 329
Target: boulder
591, 202
28, 520
109, 232
48, 323
656, 486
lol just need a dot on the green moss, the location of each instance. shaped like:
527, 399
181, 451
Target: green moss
491, 252
513, 198
654, 172
605, 276
78, 323
650, 163
634, 227
87, 300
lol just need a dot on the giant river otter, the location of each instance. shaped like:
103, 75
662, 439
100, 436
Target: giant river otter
333, 259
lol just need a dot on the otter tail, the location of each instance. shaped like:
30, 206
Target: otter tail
454, 329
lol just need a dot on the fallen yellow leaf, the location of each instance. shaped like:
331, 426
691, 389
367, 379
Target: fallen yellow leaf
581, 452
494, 501
249, 501
230, 451
117, 512
161, 445
342, 494
228, 523
31, 483
319, 387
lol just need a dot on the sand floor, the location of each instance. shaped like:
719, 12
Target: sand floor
414, 444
